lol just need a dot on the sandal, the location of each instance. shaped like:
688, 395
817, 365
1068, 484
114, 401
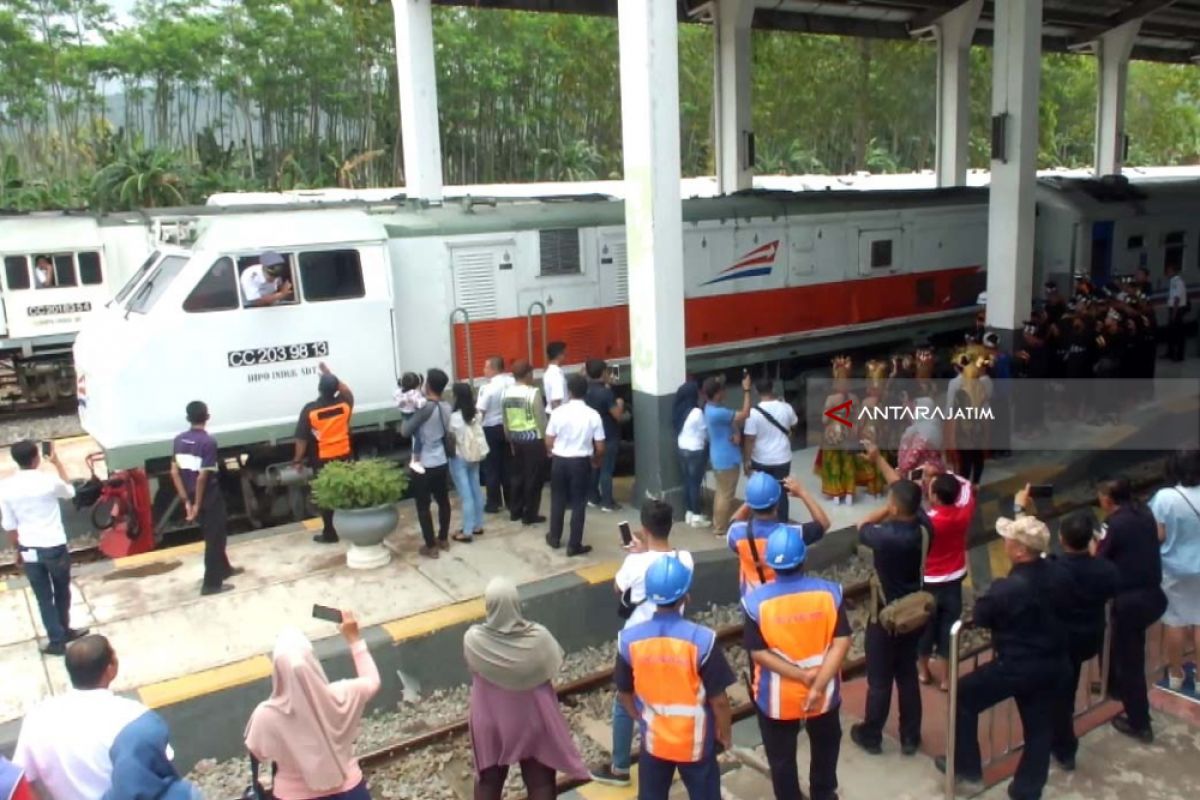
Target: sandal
478, 532
461, 537
429, 552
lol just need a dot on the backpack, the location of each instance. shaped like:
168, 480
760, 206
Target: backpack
470, 443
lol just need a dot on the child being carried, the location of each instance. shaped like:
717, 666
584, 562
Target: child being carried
410, 398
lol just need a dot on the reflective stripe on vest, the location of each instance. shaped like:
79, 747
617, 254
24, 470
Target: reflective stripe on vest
331, 428
665, 655
797, 619
518, 408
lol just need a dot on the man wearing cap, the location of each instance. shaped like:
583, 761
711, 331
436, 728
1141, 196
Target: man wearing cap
194, 466
671, 675
1030, 665
323, 435
754, 522
263, 283
797, 634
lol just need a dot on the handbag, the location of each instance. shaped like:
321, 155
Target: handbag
473, 446
256, 791
909, 613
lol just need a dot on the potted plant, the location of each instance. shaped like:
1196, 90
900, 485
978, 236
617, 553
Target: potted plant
363, 496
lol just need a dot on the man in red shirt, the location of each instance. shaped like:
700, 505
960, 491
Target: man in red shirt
951, 509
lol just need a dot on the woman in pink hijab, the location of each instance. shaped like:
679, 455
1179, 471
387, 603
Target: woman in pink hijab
308, 726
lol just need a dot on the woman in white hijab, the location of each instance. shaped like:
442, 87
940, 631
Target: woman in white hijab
308, 726
514, 713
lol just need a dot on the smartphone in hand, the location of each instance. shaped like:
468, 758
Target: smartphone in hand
917, 474
47, 448
1041, 491
327, 613
626, 534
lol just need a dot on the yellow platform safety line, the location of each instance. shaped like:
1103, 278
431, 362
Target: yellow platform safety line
155, 556
599, 573
998, 560
3, 586
178, 690
313, 523
430, 621
598, 791
72, 439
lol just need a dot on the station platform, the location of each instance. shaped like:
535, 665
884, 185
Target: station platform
205, 661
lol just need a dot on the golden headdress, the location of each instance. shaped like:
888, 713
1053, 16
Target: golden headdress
842, 366
925, 363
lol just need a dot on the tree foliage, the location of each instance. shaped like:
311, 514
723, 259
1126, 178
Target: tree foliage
189, 98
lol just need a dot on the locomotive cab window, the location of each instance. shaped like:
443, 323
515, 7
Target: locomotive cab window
257, 284
64, 271
560, 252
90, 273
216, 291
331, 275
156, 283
881, 254
1173, 250
136, 279
16, 272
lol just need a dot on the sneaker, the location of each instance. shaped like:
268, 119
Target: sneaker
416, 467
608, 777
701, 521
1175, 682
687, 519
594, 504
858, 736
55, 649
973, 783
615, 507
76, 633
1122, 724
849, 499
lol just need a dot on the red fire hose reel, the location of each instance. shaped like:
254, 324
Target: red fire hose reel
121, 511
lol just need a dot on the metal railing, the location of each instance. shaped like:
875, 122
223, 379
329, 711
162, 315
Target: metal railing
466, 318
1094, 671
529, 329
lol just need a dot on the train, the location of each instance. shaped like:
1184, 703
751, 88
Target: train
387, 284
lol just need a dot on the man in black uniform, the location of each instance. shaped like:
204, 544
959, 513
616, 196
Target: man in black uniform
323, 435
1092, 583
894, 534
1130, 541
1031, 659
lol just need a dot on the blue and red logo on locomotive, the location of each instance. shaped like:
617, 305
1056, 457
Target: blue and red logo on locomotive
757, 262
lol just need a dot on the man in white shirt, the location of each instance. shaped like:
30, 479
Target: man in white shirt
649, 544
263, 283
30, 512
491, 406
64, 742
767, 437
1177, 306
43, 273
575, 439
554, 381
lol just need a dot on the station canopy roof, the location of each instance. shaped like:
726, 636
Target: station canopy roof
1170, 31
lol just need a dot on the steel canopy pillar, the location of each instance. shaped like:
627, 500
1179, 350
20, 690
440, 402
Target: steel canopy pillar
418, 98
954, 31
1015, 84
1113, 49
649, 46
731, 94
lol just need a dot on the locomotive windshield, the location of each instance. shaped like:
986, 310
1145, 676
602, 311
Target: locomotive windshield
137, 276
154, 287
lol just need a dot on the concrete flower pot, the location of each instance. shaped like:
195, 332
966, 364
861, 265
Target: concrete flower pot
365, 529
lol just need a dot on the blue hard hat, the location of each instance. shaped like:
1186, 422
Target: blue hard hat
785, 548
667, 580
762, 492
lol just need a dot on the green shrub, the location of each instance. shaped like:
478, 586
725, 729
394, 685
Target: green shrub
358, 484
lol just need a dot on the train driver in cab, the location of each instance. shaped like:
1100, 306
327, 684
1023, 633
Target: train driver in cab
43, 273
264, 284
